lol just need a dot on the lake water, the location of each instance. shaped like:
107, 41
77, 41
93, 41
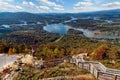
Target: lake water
22, 23
72, 19
63, 29
57, 28
6, 26
109, 21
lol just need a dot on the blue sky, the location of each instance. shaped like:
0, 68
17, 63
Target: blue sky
56, 6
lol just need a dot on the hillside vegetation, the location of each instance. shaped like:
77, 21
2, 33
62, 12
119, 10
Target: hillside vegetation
64, 69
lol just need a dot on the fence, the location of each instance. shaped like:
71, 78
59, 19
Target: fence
98, 69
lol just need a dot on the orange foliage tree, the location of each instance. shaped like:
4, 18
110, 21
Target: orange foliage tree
100, 52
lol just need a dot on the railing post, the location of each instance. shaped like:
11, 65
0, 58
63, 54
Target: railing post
115, 77
97, 74
89, 66
71, 60
77, 64
82, 65
93, 69
75, 61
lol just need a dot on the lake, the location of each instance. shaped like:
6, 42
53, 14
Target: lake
57, 28
63, 29
5, 26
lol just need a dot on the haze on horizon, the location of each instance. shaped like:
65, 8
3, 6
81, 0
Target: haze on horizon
57, 6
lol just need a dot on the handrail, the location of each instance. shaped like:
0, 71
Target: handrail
115, 71
102, 66
96, 68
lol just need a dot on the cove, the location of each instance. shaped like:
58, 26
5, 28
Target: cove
63, 29
57, 28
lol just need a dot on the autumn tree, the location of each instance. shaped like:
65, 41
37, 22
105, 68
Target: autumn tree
26, 50
10, 51
113, 53
21, 48
56, 52
100, 52
14, 50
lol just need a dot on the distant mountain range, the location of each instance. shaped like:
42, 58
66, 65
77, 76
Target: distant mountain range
115, 11
16, 17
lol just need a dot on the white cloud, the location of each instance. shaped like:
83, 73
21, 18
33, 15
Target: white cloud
86, 5
33, 7
30, 4
111, 5
49, 3
5, 6
56, 6
52, 4
83, 4
18, 7
44, 8
85, 9
58, 9
91, 5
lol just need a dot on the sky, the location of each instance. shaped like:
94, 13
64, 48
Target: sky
57, 6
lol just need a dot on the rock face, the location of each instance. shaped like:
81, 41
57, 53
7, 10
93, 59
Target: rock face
28, 59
